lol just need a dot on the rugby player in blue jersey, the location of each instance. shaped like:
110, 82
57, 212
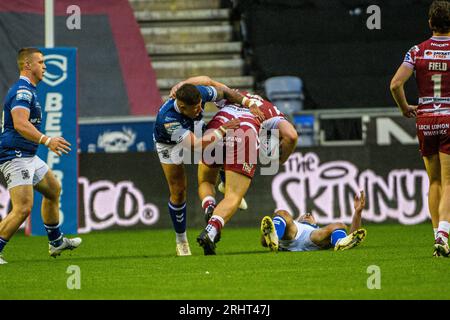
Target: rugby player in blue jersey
176, 122
282, 233
22, 169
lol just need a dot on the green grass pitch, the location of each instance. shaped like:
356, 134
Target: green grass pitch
142, 265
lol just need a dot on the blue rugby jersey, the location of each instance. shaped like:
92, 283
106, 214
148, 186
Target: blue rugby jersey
171, 127
12, 145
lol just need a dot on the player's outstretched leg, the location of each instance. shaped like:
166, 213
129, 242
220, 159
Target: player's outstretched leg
351, 241
269, 233
67, 244
243, 205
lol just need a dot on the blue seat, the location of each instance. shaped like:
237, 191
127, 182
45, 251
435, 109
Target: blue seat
286, 92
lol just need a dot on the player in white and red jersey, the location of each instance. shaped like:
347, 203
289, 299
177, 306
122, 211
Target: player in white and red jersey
238, 155
430, 61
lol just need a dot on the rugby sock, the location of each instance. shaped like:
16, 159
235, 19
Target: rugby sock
181, 237
55, 237
214, 226
443, 229
3, 243
435, 230
222, 175
178, 216
337, 235
280, 226
208, 201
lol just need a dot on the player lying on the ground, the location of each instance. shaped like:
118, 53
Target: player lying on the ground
283, 233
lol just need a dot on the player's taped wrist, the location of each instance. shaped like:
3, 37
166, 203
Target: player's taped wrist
244, 101
40, 139
47, 142
218, 134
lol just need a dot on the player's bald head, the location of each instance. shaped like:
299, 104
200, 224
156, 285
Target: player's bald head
24, 55
188, 94
439, 15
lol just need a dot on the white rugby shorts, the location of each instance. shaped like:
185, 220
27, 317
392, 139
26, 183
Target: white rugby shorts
170, 153
23, 171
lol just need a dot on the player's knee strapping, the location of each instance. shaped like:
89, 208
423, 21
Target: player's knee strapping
280, 226
337, 235
178, 216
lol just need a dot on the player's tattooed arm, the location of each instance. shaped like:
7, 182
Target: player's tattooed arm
235, 96
223, 92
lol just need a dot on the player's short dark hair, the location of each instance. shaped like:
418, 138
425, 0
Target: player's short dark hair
439, 15
188, 94
25, 53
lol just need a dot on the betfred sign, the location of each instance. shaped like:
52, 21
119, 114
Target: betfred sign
57, 93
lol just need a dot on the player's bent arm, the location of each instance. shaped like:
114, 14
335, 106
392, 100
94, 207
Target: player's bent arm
26, 129
223, 92
23, 125
194, 143
235, 96
211, 137
397, 87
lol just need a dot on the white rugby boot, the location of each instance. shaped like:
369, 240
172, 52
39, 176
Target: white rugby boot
183, 249
67, 244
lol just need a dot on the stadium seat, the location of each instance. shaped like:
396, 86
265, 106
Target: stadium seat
286, 92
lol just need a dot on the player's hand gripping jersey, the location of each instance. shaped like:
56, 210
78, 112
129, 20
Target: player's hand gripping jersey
12, 144
241, 148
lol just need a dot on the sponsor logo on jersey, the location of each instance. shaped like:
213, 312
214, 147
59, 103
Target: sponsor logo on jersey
435, 100
171, 127
24, 95
434, 44
437, 54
